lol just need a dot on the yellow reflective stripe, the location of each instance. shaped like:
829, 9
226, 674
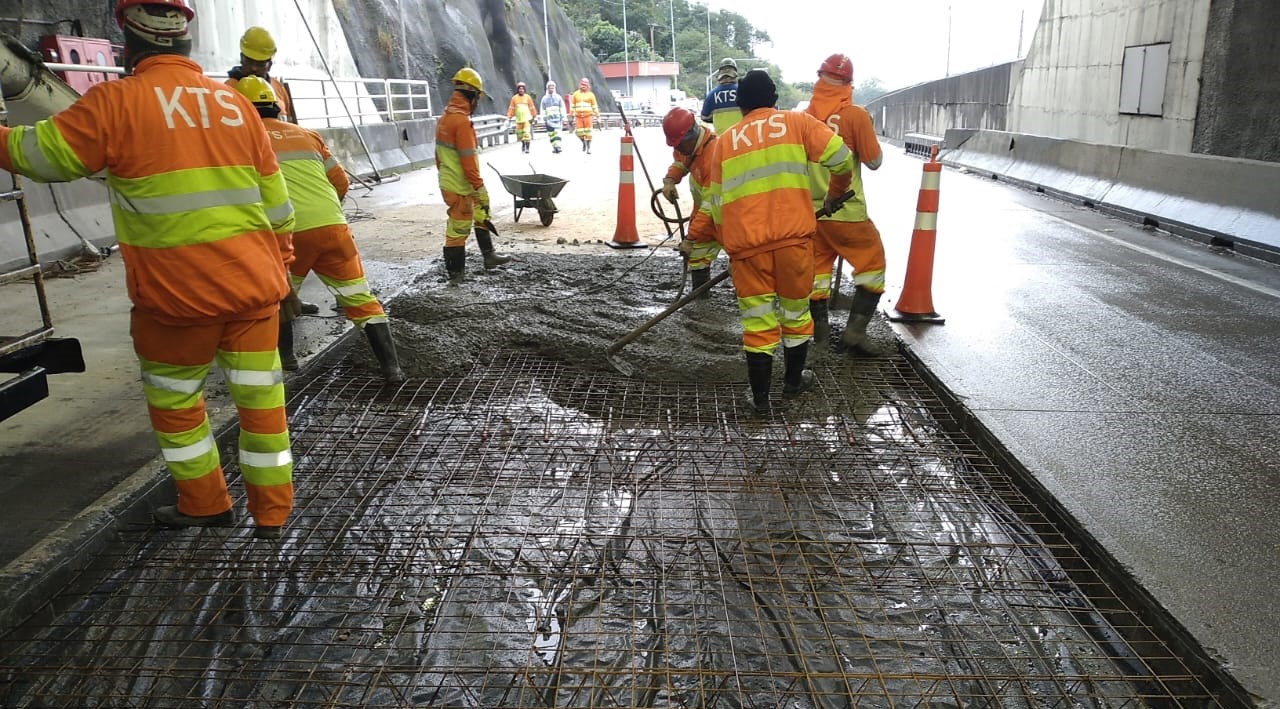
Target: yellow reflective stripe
41, 153
176, 204
196, 225
822, 281
449, 168
774, 167
751, 308
189, 452
172, 387
872, 280
172, 384
795, 311
250, 377
837, 155
280, 214
275, 201
314, 200
347, 288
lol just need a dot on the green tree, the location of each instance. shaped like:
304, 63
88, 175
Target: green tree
869, 90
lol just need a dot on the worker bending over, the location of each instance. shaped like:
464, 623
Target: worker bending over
692, 156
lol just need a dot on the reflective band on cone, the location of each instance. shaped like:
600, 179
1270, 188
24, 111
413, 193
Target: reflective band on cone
624, 234
915, 304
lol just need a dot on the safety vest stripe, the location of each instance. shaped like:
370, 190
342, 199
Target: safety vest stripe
251, 459
450, 148
250, 377
836, 152
180, 386
195, 450
280, 212
43, 153
176, 204
777, 166
289, 155
755, 311
275, 194
187, 228
331, 163
315, 202
352, 288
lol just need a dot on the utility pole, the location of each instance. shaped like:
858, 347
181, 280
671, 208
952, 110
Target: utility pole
404, 41
546, 33
672, 7
626, 48
1022, 22
709, 69
948, 39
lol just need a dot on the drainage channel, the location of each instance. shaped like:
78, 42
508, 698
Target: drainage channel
533, 535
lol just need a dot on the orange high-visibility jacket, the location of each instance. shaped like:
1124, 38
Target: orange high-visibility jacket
760, 181
513, 111
200, 207
853, 124
317, 183
456, 146
283, 99
585, 104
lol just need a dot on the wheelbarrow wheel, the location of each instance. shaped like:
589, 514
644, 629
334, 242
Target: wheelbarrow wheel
545, 217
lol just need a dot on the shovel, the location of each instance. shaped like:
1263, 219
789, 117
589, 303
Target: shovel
610, 352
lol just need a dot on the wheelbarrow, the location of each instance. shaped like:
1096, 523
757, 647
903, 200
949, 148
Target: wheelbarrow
533, 192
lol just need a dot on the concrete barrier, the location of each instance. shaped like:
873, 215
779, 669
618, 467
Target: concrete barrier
63, 217
1224, 201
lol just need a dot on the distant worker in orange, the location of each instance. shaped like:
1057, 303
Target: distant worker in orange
760, 201
849, 232
692, 143
522, 111
322, 240
585, 110
460, 181
204, 220
257, 55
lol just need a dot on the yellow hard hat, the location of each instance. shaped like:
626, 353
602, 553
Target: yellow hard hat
257, 44
469, 77
256, 89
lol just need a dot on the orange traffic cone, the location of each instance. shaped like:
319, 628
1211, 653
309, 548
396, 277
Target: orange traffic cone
915, 304
624, 234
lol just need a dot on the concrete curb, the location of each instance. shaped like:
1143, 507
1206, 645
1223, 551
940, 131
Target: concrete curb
1219, 201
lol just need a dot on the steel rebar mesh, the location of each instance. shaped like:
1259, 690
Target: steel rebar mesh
530, 535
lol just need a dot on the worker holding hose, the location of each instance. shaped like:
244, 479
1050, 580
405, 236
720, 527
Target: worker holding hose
692, 142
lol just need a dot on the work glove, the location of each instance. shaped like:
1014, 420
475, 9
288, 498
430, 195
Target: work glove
482, 198
669, 190
291, 307
831, 204
686, 246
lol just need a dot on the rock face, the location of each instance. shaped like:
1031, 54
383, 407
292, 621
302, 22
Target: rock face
504, 40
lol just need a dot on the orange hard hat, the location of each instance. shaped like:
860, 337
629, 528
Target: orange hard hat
839, 65
678, 124
176, 4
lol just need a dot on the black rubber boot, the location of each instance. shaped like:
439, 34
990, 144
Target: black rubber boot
855, 339
169, 516
697, 278
310, 308
455, 263
384, 348
588, 147
760, 377
820, 311
796, 379
492, 259
288, 360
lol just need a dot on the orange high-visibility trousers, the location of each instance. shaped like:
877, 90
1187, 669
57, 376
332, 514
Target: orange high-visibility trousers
465, 213
175, 361
773, 297
859, 244
331, 252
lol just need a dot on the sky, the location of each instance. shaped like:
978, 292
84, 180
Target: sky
902, 42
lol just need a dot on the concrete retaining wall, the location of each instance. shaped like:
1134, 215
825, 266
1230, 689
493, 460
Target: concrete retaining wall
394, 147
1225, 201
977, 100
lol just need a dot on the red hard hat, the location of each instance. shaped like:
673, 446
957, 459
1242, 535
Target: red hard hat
677, 125
178, 4
840, 65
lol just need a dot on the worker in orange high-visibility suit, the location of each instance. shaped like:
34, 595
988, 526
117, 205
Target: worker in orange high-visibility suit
322, 240
585, 110
257, 55
460, 180
692, 146
203, 219
759, 189
849, 232
522, 111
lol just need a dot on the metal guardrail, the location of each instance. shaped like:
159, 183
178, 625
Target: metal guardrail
920, 144
491, 129
319, 102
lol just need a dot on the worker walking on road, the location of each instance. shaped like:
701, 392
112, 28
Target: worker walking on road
692, 143
257, 55
522, 111
460, 181
760, 202
849, 232
720, 107
203, 219
553, 115
322, 239
585, 110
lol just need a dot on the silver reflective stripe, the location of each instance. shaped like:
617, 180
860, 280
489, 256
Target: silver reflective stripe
927, 221
794, 340
793, 315
299, 155
822, 280
765, 171
181, 386
176, 204
253, 377
839, 157
191, 452
353, 289
331, 163
930, 180
40, 164
464, 153
250, 459
280, 212
758, 311
374, 320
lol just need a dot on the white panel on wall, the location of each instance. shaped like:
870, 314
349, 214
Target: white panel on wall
1155, 69
1131, 79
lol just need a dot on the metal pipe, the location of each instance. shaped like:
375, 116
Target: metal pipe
31, 91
